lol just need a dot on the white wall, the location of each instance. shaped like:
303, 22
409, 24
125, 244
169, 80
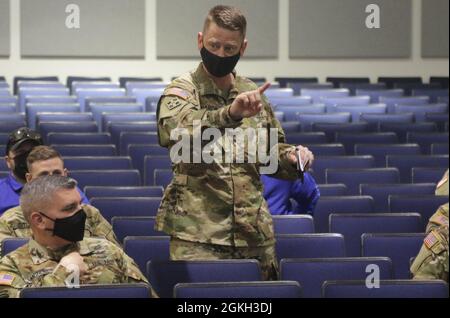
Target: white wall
283, 66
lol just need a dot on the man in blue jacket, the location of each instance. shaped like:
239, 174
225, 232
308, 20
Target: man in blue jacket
278, 194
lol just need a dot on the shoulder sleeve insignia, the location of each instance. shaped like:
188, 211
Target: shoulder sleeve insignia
6, 279
174, 91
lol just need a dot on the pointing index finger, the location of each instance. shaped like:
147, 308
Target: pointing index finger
264, 87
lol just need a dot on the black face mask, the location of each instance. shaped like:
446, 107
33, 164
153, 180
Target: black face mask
219, 66
71, 228
20, 165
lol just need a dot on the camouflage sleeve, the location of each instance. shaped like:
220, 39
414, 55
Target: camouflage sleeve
132, 274
99, 226
179, 107
5, 230
432, 260
440, 218
286, 169
11, 281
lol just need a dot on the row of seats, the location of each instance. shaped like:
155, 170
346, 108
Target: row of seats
257, 289
309, 259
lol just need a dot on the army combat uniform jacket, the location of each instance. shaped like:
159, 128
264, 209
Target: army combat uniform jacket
33, 265
14, 224
432, 260
216, 203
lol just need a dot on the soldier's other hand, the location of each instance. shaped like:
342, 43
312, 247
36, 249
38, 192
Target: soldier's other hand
248, 104
306, 156
74, 259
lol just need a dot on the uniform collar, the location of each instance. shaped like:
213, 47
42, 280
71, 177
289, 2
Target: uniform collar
40, 254
208, 87
15, 185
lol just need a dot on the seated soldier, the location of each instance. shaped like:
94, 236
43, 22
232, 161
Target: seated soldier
58, 254
432, 260
41, 161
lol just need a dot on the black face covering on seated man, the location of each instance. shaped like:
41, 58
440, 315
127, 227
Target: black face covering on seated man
70, 228
218, 66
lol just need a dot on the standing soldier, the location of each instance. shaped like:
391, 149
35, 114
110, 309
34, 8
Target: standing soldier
217, 210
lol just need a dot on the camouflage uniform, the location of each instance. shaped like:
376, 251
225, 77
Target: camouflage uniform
432, 260
14, 224
216, 210
442, 187
33, 265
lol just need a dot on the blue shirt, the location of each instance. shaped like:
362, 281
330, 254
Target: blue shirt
10, 190
278, 194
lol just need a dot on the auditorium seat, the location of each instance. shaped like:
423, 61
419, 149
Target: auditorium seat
83, 93
404, 163
33, 109
318, 94
79, 138
119, 191
28, 92
10, 244
424, 175
164, 275
380, 151
321, 163
388, 289
426, 205
126, 206
312, 273
68, 127
124, 226
145, 248
162, 177
353, 177
420, 111
240, 290
426, 139
381, 192
349, 140
307, 120
376, 94
402, 129
392, 101
106, 177
151, 163
309, 245
293, 224
339, 204
352, 226
330, 130
96, 162
399, 247
327, 190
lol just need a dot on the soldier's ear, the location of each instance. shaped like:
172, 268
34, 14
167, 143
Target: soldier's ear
243, 47
200, 40
37, 220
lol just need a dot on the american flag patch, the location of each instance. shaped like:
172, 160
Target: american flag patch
177, 92
430, 240
6, 279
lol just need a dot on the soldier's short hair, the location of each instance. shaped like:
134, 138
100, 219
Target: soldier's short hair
227, 17
42, 153
38, 194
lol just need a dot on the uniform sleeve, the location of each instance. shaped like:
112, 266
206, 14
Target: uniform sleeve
100, 227
432, 260
11, 281
5, 231
286, 169
179, 107
440, 218
132, 274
